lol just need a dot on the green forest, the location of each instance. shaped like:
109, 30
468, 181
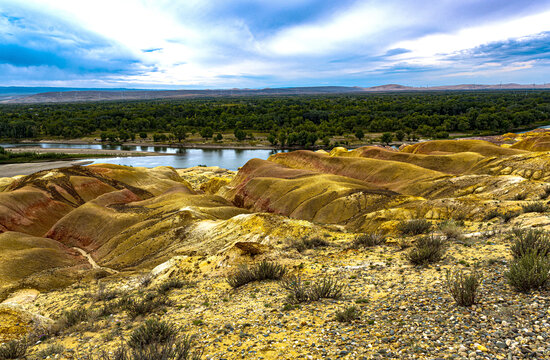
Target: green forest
289, 120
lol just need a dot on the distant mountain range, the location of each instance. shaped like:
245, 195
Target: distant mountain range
32, 95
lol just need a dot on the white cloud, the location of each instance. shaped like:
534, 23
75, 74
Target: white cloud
196, 48
433, 49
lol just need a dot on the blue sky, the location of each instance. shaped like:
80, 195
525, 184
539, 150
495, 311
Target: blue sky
267, 43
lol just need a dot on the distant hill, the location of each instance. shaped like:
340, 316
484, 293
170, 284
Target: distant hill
22, 95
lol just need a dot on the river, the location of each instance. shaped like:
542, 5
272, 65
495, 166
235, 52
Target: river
230, 159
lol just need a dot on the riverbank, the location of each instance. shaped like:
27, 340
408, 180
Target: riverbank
88, 152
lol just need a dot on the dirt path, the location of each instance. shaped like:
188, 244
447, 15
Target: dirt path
9, 170
92, 261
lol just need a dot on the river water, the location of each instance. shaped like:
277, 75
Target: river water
230, 159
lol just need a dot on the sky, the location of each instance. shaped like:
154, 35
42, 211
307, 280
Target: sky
189, 44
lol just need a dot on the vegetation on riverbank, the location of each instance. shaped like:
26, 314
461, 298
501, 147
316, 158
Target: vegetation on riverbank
283, 121
9, 157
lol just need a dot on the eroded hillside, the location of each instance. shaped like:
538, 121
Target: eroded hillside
70, 236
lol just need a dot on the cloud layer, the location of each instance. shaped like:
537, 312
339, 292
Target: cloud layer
261, 43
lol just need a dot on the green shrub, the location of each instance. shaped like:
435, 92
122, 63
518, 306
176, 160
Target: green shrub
300, 291
529, 240
348, 314
369, 240
151, 332
414, 227
13, 350
264, 270
305, 244
537, 207
529, 272
463, 288
426, 250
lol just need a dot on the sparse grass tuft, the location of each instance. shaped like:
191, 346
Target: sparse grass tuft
348, 314
104, 294
326, 288
151, 332
264, 270
305, 244
463, 288
494, 213
520, 196
300, 291
426, 250
176, 349
535, 207
174, 283
414, 227
546, 193
529, 272
145, 280
13, 350
369, 240
529, 240
144, 306
451, 230
509, 215
73, 317
50, 351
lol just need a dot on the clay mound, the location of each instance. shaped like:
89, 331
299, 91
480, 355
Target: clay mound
451, 164
303, 194
23, 257
29, 210
531, 165
95, 222
392, 175
161, 230
442, 147
154, 181
534, 143
33, 204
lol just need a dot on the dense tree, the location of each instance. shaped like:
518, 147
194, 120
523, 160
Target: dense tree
430, 114
240, 134
399, 135
180, 132
386, 138
207, 132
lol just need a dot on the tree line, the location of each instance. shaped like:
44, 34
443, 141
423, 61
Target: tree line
289, 120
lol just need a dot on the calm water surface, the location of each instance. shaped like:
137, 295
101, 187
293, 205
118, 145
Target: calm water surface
230, 159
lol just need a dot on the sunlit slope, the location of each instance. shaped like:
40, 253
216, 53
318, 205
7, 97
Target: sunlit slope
35, 261
442, 147
392, 175
304, 194
458, 163
539, 142
33, 204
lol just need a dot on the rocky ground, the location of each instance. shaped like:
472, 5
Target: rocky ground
80, 247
